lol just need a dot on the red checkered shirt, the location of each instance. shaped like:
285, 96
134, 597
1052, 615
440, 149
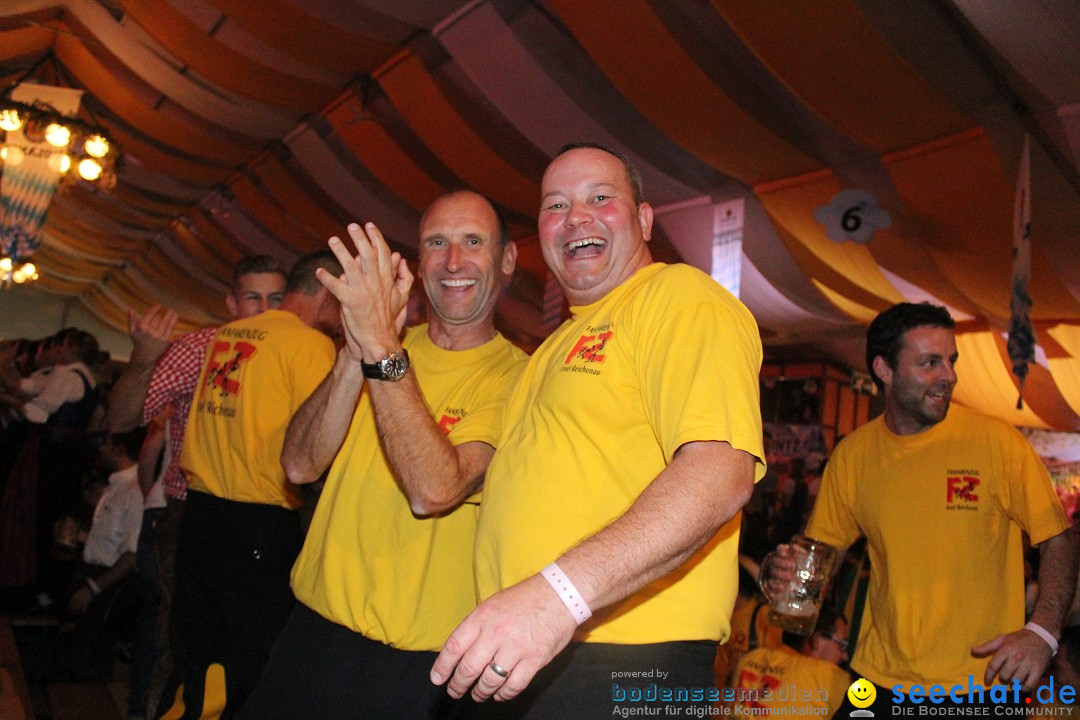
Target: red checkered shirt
172, 385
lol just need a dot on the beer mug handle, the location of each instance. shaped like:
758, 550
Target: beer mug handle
763, 575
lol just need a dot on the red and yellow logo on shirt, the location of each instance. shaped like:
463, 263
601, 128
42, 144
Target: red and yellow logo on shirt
590, 348
447, 423
224, 364
960, 491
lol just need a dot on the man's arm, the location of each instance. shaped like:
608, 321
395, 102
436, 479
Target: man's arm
320, 425
150, 339
434, 474
318, 428
1023, 654
81, 598
524, 626
152, 448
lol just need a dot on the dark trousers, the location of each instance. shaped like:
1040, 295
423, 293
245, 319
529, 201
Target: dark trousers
145, 641
320, 669
163, 682
590, 681
232, 594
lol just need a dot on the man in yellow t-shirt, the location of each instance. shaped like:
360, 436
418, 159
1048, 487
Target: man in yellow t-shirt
627, 448
800, 677
942, 496
410, 425
239, 533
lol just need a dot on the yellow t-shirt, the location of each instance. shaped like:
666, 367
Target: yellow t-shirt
257, 373
668, 357
942, 512
783, 682
368, 563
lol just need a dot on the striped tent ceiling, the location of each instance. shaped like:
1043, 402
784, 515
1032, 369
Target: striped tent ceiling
265, 127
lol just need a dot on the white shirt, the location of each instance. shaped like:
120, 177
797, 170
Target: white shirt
117, 519
51, 389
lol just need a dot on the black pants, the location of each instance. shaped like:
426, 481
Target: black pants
163, 681
145, 641
596, 680
232, 594
322, 670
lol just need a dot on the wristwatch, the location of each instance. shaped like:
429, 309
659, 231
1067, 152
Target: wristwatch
392, 367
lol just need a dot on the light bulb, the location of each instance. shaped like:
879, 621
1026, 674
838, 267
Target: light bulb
89, 169
18, 276
10, 120
29, 269
96, 146
5, 264
59, 162
12, 155
57, 135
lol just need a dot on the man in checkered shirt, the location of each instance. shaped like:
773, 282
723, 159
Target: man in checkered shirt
161, 377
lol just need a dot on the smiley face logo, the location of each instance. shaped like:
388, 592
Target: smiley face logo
862, 693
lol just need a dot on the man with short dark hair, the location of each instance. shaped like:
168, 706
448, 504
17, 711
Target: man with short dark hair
943, 495
407, 427
109, 550
102, 597
161, 373
255, 286
240, 532
160, 377
608, 534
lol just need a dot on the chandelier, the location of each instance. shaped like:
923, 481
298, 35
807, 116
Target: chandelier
45, 145
15, 273
72, 143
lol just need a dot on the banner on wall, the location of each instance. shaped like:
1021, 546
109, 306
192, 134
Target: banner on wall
31, 172
787, 441
727, 244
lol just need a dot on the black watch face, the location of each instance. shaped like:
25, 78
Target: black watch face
395, 367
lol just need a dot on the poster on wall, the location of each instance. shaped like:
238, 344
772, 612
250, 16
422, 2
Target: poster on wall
786, 441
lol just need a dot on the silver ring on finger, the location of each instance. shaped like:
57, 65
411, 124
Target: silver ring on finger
499, 670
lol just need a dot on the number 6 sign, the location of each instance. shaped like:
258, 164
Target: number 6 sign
852, 215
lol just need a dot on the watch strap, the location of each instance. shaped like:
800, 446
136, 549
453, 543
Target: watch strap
379, 370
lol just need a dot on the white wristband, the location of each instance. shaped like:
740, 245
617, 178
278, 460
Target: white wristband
97, 590
567, 593
1045, 635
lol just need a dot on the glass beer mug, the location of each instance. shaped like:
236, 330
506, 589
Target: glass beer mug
796, 607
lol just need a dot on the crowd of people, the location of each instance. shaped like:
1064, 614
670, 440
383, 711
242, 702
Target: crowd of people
503, 536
